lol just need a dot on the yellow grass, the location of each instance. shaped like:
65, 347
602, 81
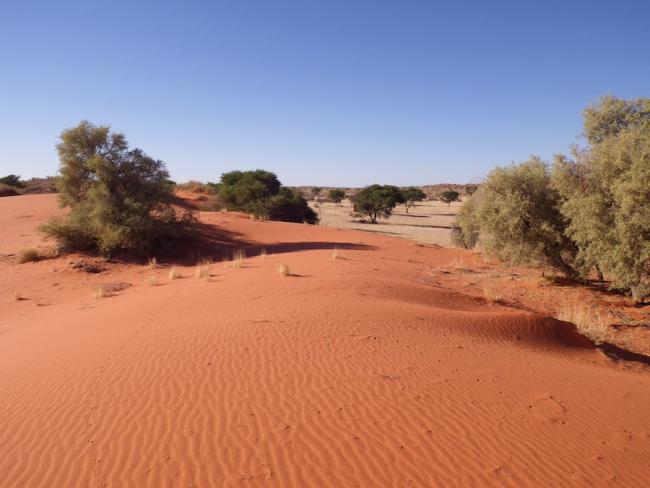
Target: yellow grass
337, 253
174, 274
263, 253
284, 270
588, 321
152, 280
100, 291
153, 263
492, 293
238, 256
202, 271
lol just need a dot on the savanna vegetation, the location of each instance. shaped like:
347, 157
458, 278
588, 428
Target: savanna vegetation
260, 193
411, 195
336, 195
586, 215
377, 201
119, 198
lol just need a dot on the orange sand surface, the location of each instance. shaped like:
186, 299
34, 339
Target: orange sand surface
353, 371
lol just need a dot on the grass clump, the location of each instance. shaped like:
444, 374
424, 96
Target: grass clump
101, 291
202, 270
283, 270
29, 255
589, 322
337, 253
174, 274
152, 280
238, 256
492, 293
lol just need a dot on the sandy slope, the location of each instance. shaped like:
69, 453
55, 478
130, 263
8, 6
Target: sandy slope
352, 372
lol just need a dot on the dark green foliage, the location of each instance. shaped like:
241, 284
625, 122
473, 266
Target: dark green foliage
119, 198
411, 195
449, 196
289, 206
377, 200
336, 195
12, 180
260, 193
248, 191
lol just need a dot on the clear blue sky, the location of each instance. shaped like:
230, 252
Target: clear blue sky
328, 93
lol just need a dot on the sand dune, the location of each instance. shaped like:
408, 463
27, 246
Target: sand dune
350, 372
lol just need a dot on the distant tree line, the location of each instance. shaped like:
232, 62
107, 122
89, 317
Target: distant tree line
586, 214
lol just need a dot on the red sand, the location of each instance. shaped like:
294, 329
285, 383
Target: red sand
351, 372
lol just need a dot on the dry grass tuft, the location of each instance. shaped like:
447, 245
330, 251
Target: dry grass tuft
101, 291
284, 270
153, 263
263, 253
337, 253
238, 256
492, 293
152, 280
202, 271
28, 255
174, 274
588, 321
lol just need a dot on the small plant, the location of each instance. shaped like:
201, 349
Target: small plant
101, 291
337, 253
238, 256
28, 255
263, 253
589, 322
202, 271
174, 274
152, 280
492, 293
153, 263
284, 270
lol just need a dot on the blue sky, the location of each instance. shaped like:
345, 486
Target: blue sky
330, 93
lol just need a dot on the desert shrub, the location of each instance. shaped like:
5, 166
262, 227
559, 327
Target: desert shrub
12, 180
289, 206
606, 194
118, 197
517, 212
248, 191
466, 230
411, 195
7, 191
28, 255
315, 191
40, 185
336, 195
377, 200
449, 196
260, 193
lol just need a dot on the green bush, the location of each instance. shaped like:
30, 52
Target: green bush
465, 232
516, 211
377, 200
289, 206
119, 198
411, 195
260, 193
606, 194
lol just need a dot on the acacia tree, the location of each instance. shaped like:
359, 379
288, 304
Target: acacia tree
377, 200
411, 195
315, 191
337, 195
449, 196
119, 198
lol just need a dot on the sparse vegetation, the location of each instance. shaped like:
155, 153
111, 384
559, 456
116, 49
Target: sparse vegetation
337, 253
12, 180
174, 274
492, 293
315, 191
283, 270
101, 291
153, 263
238, 257
202, 271
263, 253
8, 191
119, 197
152, 280
588, 321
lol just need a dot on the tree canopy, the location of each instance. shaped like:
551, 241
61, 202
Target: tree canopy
411, 195
377, 200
